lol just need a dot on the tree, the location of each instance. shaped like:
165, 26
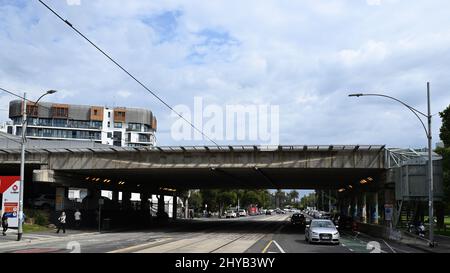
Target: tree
293, 195
308, 200
445, 128
196, 200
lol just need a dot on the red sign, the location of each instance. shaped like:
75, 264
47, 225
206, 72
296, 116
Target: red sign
7, 181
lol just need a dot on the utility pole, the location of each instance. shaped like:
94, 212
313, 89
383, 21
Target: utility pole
430, 170
22, 167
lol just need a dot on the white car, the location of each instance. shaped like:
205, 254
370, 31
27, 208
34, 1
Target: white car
321, 231
242, 213
230, 214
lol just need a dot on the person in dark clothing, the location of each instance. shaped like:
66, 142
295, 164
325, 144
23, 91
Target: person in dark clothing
62, 222
4, 223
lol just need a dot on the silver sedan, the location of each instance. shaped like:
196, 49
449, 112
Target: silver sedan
321, 231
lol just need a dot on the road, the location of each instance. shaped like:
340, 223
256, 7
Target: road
253, 234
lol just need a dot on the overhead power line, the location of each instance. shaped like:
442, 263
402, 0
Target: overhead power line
126, 71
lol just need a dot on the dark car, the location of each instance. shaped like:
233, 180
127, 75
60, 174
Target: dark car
298, 219
345, 222
268, 212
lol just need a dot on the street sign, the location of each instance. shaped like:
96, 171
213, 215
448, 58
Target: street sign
9, 187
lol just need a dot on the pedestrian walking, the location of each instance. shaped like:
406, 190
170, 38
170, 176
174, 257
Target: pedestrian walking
77, 216
4, 223
62, 222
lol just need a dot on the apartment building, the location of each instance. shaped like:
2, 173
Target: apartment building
118, 126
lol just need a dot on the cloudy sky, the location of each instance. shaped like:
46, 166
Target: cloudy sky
304, 56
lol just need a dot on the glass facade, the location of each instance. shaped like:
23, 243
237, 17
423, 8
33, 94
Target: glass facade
84, 124
59, 133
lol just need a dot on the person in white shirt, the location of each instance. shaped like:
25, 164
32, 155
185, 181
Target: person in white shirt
62, 222
77, 216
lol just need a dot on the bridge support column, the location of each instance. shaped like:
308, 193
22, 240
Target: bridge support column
60, 197
161, 204
115, 196
144, 202
375, 208
126, 202
364, 208
355, 208
174, 206
348, 202
329, 200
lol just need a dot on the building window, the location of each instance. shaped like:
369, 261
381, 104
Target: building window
144, 138
60, 112
117, 124
109, 124
134, 127
95, 112
109, 114
32, 110
109, 135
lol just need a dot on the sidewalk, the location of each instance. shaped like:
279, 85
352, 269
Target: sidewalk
42, 236
442, 246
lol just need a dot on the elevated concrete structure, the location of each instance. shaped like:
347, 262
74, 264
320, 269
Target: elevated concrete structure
209, 167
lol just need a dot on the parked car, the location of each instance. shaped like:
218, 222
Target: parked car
298, 219
345, 222
44, 201
326, 215
321, 231
269, 212
230, 214
242, 213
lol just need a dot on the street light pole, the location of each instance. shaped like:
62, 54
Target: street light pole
22, 160
430, 152
22, 167
430, 171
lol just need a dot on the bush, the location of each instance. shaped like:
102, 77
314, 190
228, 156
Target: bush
39, 217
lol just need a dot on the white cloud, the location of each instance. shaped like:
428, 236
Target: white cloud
124, 93
302, 55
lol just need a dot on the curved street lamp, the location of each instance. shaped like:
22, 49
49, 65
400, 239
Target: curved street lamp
430, 160
22, 160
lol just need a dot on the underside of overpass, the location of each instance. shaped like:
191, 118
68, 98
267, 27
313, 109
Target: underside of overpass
230, 167
216, 178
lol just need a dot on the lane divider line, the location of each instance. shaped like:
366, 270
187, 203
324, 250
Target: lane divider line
279, 247
393, 251
267, 246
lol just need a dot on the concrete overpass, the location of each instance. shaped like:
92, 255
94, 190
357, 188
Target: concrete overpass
297, 167
366, 175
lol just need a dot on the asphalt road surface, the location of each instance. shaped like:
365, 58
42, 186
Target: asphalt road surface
251, 234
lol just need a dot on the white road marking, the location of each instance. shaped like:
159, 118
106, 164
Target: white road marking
279, 247
389, 247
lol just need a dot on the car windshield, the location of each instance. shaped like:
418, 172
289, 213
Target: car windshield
324, 224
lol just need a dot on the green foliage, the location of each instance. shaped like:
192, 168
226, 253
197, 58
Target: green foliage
308, 200
40, 217
445, 128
